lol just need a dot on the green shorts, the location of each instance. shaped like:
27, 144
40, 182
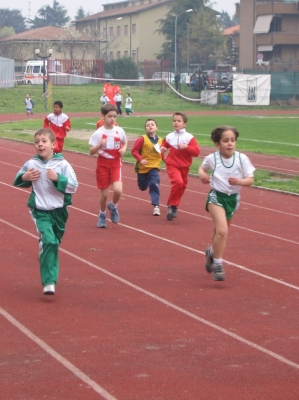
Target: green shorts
230, 203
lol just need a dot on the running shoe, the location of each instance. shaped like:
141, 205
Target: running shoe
171, 212
49, 289
218, 272
114, 213
156, 211
102, 221
209, 259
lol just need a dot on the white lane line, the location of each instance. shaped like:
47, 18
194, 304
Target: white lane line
71, 367
168, 304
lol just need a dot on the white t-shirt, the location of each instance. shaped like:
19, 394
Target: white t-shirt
238, 166
118, 97
129, 102
116, 137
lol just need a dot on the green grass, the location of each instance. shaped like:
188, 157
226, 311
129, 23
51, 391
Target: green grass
274, 135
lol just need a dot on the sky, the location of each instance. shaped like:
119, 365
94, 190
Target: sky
89, 6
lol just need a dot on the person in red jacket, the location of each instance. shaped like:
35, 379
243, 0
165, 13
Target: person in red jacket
182, 146
59, 123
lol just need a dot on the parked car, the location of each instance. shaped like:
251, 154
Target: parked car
219, 80
107, 76
21, 80
169, 76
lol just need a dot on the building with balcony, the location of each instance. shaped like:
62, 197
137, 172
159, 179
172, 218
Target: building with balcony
269, 35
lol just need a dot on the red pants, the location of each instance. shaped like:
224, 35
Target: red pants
179, 179
59, 145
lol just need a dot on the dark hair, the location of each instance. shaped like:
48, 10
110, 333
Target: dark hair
183, 115
217, 132
107, 108
150, 119
128, 94
48, 132
58, 103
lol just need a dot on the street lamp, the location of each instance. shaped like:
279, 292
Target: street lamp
37, 52
175, 26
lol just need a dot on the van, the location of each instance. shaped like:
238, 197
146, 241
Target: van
168, 76
34, 71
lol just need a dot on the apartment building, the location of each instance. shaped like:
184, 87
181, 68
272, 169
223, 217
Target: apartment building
127, 29
269, 35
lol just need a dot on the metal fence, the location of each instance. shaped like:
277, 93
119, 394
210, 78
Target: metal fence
284, 85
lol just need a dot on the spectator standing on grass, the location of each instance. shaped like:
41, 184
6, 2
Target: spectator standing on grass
110, 143
230, 170
118, 99
182, 146
29, 104
59, 123
128, 105
104, 99
53, 181
147, 152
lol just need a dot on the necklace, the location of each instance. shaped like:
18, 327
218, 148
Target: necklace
223, 162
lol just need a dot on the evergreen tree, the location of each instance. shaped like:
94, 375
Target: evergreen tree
12, 18
80, 13
122, 68
50, 16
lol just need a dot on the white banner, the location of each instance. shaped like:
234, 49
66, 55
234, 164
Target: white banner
251, 90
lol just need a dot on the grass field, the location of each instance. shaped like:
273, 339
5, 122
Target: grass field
275, 134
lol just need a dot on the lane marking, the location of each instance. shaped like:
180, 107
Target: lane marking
153, 296
62, 360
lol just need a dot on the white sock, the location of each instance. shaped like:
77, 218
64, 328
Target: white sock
103, 212
217, 261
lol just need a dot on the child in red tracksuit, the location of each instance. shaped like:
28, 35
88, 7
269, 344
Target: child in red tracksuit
59, 124
182, 147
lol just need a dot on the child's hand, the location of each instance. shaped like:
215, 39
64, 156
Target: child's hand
163, 149
234, 181
31, 175
52, 175
67, 128
143, 162
182, 146
122, 151
103, 142
204, 177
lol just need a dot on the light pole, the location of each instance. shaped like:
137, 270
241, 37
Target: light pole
175, 28
50, 51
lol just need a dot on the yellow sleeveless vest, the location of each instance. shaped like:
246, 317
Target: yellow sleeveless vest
149, 153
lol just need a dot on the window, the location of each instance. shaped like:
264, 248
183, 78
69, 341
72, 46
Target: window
134, 58
111, 31
118, 31
111, 55
118, 55
104, 33
126, 53
133, 29
126, 30
276, 24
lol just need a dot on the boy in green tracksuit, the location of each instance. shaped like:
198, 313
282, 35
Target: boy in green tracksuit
53, 182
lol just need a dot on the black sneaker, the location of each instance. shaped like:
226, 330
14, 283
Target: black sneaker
209, 259
174, 211
170, 215
218, 272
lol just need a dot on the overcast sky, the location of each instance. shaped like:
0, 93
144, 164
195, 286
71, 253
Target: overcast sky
90, 6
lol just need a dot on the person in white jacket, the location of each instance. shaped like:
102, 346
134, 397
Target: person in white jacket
53, 182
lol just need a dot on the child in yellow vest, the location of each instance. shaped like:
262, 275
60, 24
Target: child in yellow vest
147, 152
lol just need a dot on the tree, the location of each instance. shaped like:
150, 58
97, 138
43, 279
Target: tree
122, 68
50, 16
167, 25
6, 31
226, 21
12, 18
80, 13
207, 44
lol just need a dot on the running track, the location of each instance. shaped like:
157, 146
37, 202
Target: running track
135, 315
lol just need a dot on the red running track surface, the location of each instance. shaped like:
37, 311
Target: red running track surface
135, 315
